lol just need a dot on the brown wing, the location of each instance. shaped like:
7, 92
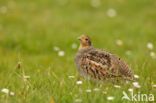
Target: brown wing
99, 56
97, 64
94, 69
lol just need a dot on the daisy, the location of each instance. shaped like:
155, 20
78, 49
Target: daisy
153, 55
110, 98
119, 42
12, 93
5, 90
130, 90
117, 86
136, 76
136, 84
79, 82
96, 89
61, 53
55, 48
111, 12
88, 90
150, 45
154, 85
71, 77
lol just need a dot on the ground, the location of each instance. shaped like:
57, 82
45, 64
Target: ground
31, 31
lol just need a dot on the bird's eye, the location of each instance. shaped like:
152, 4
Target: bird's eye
86, 39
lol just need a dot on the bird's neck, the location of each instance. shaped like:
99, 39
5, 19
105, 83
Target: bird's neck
84, 46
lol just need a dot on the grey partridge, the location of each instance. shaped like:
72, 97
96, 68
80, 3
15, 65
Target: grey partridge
98, 64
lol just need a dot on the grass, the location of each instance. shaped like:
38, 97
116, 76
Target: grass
30, 29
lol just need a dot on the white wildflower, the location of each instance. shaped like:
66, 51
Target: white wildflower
5, 90
96, 89
150, 45
119, 42
130, 90
79, 82
136, 85
61, 53
111, 12
26, 77
88, 90
104, 92
95, 3
74, 46
153, 55
78, 100
12, 93
154, 85
71, 77
110, 98
55, 48
136, 76
117, 86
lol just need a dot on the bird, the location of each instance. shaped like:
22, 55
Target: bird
98, 64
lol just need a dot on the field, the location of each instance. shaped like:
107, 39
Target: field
38, 43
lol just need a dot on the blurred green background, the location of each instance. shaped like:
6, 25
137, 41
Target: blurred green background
32, 30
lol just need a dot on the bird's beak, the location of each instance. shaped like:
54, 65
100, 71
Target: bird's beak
79, 38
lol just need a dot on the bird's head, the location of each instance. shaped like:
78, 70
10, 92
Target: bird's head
85, 41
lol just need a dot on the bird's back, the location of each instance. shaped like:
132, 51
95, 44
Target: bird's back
98, 64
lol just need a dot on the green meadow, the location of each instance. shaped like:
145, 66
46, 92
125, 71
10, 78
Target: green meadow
38, 43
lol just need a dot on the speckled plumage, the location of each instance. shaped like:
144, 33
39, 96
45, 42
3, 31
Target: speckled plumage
98, 64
